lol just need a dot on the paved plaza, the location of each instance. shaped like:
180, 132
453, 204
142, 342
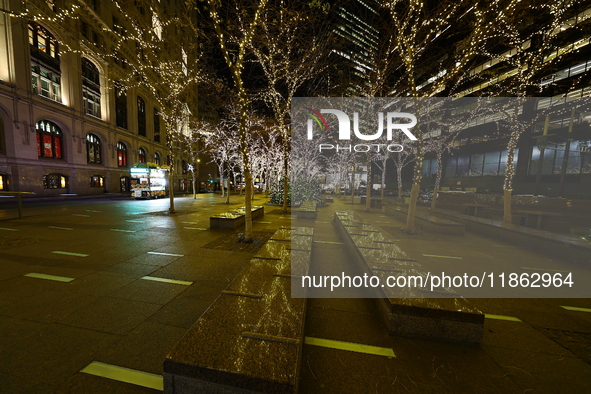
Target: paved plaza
119, 282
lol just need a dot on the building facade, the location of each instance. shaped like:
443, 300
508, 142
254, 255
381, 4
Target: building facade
67, 126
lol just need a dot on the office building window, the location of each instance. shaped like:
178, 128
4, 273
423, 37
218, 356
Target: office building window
141, 116
45, 64
91, 89
141, 155
120, 106
156, 125
55, 181
97, 181
93, 149
121, 154
49, 139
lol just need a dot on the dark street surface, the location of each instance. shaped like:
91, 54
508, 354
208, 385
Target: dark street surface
119, 282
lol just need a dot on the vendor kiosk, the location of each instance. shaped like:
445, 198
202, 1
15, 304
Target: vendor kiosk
148, 182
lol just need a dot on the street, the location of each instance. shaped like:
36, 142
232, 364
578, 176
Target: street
119, 282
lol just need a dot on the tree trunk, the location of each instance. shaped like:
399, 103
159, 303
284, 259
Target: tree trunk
412, 208
194, 190
507, 217
248, 206
171, 190
227, 186
285, 181
434, 202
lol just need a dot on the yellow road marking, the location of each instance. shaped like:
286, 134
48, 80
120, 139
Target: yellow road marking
575, 308
50, 277
443, 257
501, 317
349, 346
126, 375
70, 253
178, 282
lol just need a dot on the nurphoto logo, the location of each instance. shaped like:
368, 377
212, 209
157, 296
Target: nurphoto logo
393, 123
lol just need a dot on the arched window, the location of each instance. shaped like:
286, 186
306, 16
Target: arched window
156, 125
157, 158
55, 181
141, 155
141, 116
45, 63
49, 139
120, 105
91, 88
97, 181
121, 154
93, 149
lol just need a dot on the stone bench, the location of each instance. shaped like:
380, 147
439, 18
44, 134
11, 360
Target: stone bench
407, 312
234, 219
250, 339
328, 199
307, 210
427, 221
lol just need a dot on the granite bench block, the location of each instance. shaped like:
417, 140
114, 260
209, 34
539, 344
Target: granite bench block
407, 311
307, 210
250, 339
234, 219
228, 347
228, 221
301, 242
278, 250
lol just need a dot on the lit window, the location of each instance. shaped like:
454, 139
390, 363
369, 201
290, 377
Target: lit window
49, 139
2, 182
96, 181
55, 181
91, 91
42, 41
141, 154
157, 158
45, 65
93, 149
121, 154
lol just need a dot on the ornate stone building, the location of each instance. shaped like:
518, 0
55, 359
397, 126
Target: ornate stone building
66, 125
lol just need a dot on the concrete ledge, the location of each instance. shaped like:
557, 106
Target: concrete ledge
233, 219
428, 221
250, 339
307, 210
406, 312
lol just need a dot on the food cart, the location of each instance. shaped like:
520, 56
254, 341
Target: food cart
148, 181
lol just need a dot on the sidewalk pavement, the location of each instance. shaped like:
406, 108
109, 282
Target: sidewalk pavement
117, 311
